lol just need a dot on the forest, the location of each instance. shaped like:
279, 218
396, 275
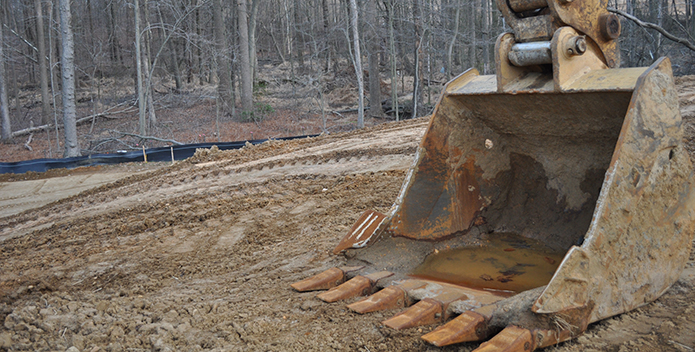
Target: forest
67, 63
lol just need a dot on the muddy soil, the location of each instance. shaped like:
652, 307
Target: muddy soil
199, 255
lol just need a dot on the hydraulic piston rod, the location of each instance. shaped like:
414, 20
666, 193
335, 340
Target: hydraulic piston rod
533, 53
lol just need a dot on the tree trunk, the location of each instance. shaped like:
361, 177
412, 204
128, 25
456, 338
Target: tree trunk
90, 20
326, 44
67, 63
175, 65
197, 67
53, 73
43, 65
173, 54
175, 58
485, 4
449, 64
5, 126
374, 77
394, 76
290, 34
224, 73
113, 40
246, 79
275, 43
288, 31
252, 39
138, 68
54, 64
417, 75
298, 37
151, 116
471, 36
691, 17
358, 64
30, 36
234, 55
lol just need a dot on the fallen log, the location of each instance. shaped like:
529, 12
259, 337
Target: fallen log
34, 129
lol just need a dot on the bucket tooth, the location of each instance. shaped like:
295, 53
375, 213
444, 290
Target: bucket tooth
357, 286
548, 337
435, 303
322, 281
469, 326
390, 297
425, 312
325, 280
511, 339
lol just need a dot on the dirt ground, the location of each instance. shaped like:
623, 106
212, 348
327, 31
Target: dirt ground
199, 255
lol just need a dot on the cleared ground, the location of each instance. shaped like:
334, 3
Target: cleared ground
200, 255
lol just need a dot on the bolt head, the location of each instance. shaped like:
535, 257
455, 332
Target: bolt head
609, 25
580, 45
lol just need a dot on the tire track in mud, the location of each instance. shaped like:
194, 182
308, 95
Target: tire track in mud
127, 259
363, 151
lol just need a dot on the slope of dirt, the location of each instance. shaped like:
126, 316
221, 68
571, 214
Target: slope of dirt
200, 255
35, 191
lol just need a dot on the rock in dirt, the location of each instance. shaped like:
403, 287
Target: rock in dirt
5, 340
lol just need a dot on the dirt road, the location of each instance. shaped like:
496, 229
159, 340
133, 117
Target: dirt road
200, 256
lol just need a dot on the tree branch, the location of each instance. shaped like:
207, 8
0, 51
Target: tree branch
29, 130
100, 142
21, 38
653, 26
28, 43
26, 145
147, 137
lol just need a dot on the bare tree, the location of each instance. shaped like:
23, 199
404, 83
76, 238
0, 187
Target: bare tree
326, 48
138, 68
4, 107
114, 46
151, 116
246, 76
457, 15
298, 37
418, 53
392, 51
43, 65
358, 64
373, 57
224, 74
67, 68
252, 38
472, 57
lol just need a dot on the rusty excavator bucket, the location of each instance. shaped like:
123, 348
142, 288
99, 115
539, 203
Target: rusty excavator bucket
549, 196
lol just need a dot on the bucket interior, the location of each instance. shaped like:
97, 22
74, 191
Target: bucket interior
555, 149
527, 164
525, 170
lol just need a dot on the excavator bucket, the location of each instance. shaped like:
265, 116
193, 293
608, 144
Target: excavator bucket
549, 196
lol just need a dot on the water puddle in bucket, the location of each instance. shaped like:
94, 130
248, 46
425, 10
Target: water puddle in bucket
506, 262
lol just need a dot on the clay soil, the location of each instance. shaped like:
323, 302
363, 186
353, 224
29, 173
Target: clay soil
200, 255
